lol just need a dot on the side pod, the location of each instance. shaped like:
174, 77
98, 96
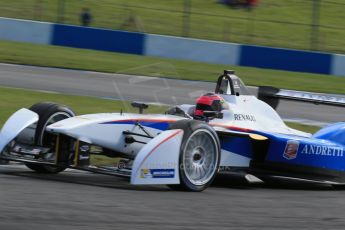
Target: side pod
158, 161
15, 124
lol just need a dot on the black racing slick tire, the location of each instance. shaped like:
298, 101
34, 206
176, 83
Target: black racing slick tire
48, 113
199, 155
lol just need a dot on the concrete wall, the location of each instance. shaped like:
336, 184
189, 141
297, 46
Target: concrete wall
98, 39
338, 65
192, 49
171, 47
25, 31
285, 59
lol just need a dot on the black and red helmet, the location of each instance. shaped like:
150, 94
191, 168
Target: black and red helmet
209, 102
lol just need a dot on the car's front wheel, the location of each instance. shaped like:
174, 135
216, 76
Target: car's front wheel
199, 155
48, 113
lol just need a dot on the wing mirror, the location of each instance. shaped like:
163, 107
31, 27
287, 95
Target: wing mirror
140, 106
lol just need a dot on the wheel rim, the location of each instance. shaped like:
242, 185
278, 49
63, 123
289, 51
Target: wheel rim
200, 157
45, 137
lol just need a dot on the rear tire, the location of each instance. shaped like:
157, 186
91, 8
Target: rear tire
199, 155
48, 113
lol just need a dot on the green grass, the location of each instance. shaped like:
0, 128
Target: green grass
303, 127
13, 99
62, 57
275, 23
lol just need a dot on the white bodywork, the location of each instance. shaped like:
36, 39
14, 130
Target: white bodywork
96, 129
156, 157
157, 162
262, 116
16, 124
233, 159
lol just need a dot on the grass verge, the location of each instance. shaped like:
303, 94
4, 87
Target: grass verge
303, 127
13, 99
62, 57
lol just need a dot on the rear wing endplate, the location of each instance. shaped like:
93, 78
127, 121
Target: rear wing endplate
272, 95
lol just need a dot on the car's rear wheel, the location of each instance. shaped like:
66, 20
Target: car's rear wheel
48, 113
199, 155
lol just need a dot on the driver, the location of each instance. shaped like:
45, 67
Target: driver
209, 102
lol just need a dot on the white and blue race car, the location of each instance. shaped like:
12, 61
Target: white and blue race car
184, 148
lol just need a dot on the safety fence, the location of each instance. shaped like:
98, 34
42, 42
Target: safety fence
171, 47
296, 24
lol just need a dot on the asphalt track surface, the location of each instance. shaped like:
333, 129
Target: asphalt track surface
141, 88
81, 200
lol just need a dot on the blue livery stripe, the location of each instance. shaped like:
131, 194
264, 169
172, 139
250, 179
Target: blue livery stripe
302, 151
162, 173
238, 145
151, 124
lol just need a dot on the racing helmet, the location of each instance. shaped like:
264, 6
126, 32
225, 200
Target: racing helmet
209, 102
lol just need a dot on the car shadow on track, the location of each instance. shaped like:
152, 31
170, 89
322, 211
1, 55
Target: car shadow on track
82, 178
235, 181
224, 180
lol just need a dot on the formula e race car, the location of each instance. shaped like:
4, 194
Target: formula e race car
187, 146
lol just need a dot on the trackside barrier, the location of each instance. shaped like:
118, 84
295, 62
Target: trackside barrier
171, 47
285, 59
192, 49
338, 65
25, 31
98, 39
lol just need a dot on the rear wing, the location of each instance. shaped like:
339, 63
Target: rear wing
272, 95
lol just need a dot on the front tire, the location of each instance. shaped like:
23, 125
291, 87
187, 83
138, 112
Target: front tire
48, 113
199, 155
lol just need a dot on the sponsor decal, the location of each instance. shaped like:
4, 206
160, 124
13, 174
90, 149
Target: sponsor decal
291, 149
82, 157
157, 173
244, 117
84, 148
145, 173
322, 150
236, 85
